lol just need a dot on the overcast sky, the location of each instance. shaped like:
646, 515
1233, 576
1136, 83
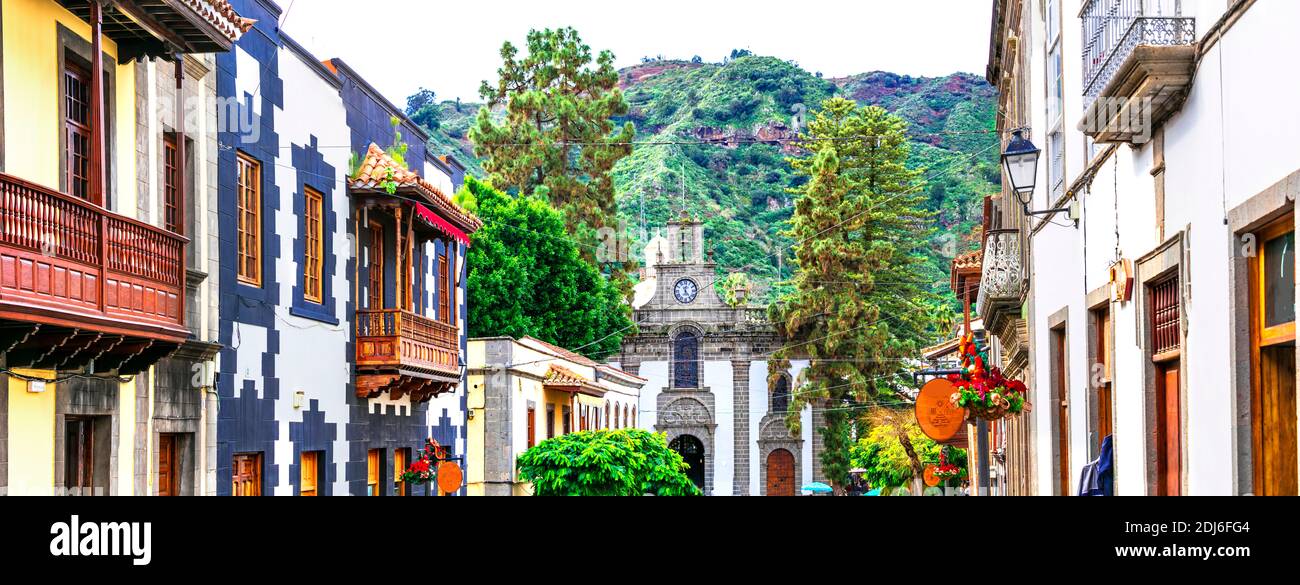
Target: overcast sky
450, 47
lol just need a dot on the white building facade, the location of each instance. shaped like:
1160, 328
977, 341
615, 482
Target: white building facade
1164, 316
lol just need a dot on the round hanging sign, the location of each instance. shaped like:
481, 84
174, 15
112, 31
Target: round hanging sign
935, 413
449, 476
930, 479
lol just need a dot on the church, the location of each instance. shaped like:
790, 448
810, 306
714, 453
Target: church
705, 362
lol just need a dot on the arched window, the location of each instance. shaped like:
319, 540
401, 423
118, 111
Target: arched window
781, 395
607, 424
686, 359
625, 419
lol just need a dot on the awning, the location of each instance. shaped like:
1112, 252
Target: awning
441, 224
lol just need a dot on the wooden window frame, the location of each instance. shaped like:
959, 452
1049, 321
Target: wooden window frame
248, 212
172, 169
309, 471
532, 426
73, 129
375, 267
550, 421
444, 293
313, 248
1277, 334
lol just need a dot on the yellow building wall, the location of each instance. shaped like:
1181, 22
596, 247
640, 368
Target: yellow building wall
31, 436
32, 86
474, 431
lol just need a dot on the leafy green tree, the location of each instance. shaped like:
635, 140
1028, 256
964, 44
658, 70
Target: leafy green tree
859, 304
422, 108
557, 139
527, 278
627, 462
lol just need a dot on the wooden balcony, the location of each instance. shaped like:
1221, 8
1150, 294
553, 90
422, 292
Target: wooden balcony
83, 287
403, 353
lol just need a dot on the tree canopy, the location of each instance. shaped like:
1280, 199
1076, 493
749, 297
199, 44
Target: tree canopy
557, 140
526, 277
627, 462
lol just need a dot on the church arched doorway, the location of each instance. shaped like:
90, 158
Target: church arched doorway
692, 451
686, 360
780, 473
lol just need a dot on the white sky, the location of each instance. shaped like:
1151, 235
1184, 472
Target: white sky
384, 40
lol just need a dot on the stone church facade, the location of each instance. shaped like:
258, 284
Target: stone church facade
706, 362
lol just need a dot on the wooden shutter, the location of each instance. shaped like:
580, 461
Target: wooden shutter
168, 472
375, 283
532, 426
171, 184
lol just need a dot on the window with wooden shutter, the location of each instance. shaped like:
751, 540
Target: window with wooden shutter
532, 426
308, 473
248, 211
313, 246
1165, 334
171, 184
77, 131
246, 474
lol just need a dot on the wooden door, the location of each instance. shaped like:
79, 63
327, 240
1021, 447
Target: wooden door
79, 456
1062, 391
168, 466
401, 459
246, 474
1169, 435
1276, 417
780, 473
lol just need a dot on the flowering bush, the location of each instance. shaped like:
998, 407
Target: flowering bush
983, 391
424, 469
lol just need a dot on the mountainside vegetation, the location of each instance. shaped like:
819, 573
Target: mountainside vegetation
714, 138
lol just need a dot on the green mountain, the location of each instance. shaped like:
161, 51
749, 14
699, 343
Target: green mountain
714, 138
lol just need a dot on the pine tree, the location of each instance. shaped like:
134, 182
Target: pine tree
557, 140
858, 306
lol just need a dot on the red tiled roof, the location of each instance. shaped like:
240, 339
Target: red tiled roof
969, 260
375, 171
221, 15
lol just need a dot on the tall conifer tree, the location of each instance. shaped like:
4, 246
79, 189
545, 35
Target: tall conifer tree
557, 139
858, 306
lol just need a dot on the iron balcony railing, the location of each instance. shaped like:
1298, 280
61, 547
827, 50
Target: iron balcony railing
1113, 28
1002, 274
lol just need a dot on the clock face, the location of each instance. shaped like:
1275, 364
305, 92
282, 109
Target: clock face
685, 290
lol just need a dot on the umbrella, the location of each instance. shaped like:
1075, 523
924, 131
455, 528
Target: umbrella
816, 487
874, 492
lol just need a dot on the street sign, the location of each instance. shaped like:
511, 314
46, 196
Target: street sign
938, 417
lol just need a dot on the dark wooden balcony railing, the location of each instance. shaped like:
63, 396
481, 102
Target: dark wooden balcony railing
71, 263
401, 340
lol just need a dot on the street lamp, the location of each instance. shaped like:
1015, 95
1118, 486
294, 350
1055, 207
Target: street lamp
1021, 163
